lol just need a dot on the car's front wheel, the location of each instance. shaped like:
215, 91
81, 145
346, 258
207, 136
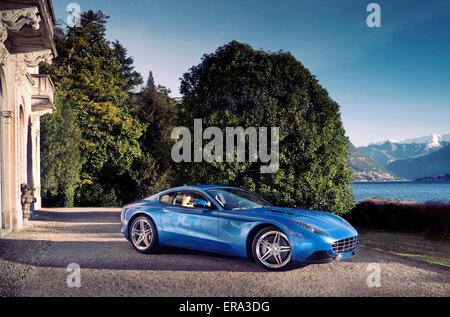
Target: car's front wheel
272, 249
143, 234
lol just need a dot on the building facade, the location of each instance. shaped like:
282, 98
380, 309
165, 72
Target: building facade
26, 40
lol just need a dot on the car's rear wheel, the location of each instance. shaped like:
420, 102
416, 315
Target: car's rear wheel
143, 234
271, 249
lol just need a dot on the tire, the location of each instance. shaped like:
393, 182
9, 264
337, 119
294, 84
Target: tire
272, 249
143, 235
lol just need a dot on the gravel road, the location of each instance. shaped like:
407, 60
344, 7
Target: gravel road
33, 262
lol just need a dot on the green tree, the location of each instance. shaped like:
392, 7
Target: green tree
133, 78
239, 86
60, 148
94, 78
152, 172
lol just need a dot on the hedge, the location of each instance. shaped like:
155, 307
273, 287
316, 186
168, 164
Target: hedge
430, 218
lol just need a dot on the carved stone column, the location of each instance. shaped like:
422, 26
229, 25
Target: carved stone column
13, 20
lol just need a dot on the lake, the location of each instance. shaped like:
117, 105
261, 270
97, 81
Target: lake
413, 191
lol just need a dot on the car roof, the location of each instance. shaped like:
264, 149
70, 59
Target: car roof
201, 187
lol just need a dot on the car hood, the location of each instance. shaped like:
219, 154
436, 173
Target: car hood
319, 219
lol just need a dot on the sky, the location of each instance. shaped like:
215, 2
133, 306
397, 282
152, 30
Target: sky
391, 82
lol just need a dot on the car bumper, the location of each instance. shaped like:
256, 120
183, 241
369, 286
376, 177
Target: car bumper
319, 249
326, 257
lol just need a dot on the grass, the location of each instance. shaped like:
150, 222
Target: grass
414, 245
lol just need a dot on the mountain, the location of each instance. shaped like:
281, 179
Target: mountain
366, 169
389, 151
434, 164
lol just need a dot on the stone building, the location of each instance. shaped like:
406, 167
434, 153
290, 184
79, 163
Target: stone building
26, 40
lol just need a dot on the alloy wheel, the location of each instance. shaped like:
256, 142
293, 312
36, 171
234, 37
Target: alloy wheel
273, 249
141, 234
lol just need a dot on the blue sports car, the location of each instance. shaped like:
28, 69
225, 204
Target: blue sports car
232, 221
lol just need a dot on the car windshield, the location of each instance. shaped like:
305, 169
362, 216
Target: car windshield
233, 198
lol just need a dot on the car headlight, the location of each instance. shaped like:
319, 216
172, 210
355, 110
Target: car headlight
308, 227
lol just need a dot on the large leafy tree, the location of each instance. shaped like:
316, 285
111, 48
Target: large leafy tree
152, 172
239, 86
94, 78
61, 158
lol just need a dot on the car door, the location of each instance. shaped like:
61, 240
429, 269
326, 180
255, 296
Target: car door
187, 226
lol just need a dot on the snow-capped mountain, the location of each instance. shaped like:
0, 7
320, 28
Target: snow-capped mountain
366, 169
434, 164
389, 151
436, 142
419, 140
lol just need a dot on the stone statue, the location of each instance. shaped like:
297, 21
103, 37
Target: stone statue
27, 199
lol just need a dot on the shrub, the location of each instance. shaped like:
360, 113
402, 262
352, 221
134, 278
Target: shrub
430, 218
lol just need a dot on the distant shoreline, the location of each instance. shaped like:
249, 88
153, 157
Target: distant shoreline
428, 179
406, 182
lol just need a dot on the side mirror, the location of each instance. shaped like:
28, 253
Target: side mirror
200, 203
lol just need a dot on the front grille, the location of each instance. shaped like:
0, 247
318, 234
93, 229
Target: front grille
345, 245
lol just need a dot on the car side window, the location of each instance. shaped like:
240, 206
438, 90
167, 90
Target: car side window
187, 199
167, 198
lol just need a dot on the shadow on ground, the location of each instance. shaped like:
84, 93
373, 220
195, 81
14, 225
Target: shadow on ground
76, 216
92, 239
119, 255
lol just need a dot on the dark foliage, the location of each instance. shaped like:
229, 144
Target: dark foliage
239, 86
431, 218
